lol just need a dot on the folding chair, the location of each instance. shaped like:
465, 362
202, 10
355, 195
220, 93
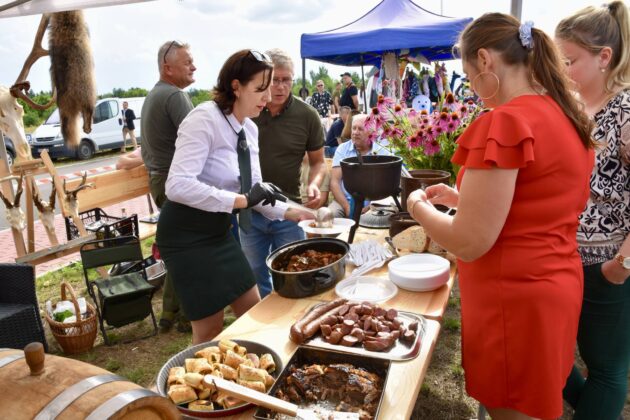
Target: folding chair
20, 322
120, 299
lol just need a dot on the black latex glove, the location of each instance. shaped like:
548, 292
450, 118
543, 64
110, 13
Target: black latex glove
264, 192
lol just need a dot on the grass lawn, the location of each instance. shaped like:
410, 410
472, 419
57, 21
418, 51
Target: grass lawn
442, 395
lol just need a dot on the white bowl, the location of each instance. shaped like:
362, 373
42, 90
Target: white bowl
419, 272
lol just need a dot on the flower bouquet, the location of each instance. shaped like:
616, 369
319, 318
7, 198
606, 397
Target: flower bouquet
423, 140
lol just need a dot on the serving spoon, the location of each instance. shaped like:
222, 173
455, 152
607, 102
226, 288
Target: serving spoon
267, 401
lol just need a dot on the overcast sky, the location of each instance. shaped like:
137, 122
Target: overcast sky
125, 39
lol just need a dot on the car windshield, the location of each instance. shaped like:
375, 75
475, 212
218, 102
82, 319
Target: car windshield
53, 118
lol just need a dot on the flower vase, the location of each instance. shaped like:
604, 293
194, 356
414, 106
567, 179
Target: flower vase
421, 178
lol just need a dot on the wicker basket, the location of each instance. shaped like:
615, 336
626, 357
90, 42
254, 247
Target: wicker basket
79, 336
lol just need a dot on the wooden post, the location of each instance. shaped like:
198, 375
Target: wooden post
30, 219
7, 190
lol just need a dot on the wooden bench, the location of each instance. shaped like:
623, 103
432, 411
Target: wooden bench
113, 188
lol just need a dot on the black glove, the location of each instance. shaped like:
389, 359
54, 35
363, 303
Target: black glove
264, 192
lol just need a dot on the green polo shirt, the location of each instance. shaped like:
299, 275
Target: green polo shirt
284, 139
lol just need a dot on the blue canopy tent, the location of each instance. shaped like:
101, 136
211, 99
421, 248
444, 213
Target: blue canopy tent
399, 26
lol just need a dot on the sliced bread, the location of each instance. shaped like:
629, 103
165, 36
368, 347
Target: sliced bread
413, 239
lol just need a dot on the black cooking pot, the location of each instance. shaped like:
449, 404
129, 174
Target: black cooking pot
312, 282
376, 178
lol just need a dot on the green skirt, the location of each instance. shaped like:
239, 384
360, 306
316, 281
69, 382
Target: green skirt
206, 263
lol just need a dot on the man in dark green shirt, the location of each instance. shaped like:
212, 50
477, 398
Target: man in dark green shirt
287, 128
164, 109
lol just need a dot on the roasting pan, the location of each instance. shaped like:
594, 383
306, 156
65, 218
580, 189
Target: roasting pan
307, 355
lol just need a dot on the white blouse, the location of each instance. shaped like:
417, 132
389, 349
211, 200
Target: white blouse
204, 173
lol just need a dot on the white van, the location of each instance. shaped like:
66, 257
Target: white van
106, 130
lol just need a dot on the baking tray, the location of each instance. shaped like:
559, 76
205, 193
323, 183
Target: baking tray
308, 355
399, 351
178, 360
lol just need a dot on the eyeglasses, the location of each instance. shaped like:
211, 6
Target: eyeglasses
287, 81
176, 43
260, 56
320, 85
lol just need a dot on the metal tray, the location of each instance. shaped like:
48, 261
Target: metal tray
399, 351
306, 356
178, 360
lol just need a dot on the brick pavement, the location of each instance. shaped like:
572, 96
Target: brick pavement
138, 205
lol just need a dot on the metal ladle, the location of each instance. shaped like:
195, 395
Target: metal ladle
324, 217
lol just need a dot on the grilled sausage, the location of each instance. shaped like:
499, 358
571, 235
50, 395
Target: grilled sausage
296, 333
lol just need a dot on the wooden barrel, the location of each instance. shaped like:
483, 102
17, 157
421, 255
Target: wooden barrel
70, 389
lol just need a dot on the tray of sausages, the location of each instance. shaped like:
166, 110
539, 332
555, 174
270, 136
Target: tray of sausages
360, 328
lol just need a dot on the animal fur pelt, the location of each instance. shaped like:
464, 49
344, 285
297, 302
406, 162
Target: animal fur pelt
72, 73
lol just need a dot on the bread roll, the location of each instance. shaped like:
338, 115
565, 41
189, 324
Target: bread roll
176, 375
181, 394
201, 405
413, 239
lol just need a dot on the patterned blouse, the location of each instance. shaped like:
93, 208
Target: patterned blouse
321, 102
605, 222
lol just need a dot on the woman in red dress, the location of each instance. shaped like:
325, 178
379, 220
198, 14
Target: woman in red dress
523, 184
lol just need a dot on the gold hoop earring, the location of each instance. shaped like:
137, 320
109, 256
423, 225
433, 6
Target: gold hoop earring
473, 83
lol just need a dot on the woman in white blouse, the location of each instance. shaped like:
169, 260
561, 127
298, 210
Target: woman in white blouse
207, 182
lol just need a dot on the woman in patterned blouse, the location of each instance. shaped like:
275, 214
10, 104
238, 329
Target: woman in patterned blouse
596, 44
321, 100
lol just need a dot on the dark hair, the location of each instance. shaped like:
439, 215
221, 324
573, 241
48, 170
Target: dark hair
500, 32
243, 65
594, 28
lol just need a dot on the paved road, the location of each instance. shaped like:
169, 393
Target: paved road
101, 164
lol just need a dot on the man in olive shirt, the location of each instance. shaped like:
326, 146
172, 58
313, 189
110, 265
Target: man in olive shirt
287, 128
165, 107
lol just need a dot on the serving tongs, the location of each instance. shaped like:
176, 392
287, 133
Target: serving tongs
264, 400
324, 217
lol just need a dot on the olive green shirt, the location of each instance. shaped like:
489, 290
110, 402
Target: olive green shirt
284, 139
164, 109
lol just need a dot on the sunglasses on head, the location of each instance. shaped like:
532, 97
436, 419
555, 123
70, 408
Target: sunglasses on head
176, 43
260, 56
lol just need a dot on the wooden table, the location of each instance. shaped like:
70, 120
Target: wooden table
269, 321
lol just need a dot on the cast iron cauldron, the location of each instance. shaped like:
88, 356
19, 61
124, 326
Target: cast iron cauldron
308, 283
377, 178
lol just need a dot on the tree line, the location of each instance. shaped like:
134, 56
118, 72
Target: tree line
34, 117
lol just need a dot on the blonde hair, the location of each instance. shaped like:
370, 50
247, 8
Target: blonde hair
594, 28
500, 33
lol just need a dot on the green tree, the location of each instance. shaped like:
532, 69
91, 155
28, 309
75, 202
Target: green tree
199, 95
34, 117
322, 74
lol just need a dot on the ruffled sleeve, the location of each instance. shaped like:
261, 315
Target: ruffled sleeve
497, 139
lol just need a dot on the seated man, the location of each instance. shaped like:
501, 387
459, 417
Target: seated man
360, 143
333, 137
324, 189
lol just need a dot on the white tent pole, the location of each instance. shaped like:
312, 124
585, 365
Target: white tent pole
516, 9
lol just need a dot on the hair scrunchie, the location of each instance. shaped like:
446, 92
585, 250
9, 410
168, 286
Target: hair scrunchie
525, 34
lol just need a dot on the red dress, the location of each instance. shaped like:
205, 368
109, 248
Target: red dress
521, 300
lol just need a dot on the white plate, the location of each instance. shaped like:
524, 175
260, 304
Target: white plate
366, 289
339, 225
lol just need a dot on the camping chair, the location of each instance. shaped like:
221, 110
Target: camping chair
120, 299
20, 323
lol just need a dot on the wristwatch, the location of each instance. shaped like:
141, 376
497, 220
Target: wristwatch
623, 261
